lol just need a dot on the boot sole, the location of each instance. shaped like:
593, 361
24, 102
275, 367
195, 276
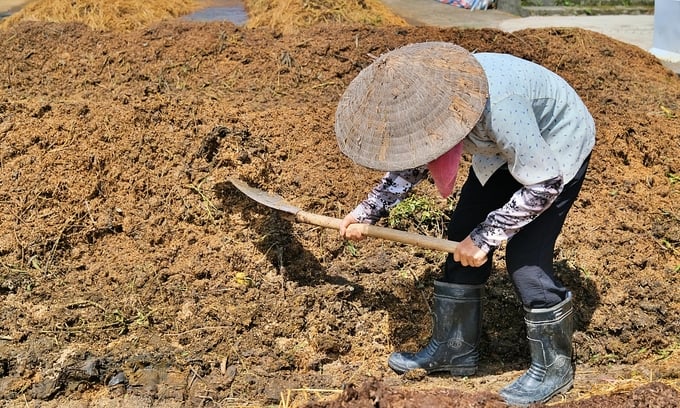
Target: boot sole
563, 389
454, 371
463, 371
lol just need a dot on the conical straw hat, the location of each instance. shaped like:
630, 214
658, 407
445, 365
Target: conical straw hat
410, 106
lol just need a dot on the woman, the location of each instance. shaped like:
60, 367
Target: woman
412, 113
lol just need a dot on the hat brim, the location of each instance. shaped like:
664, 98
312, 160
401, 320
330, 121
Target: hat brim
410, 106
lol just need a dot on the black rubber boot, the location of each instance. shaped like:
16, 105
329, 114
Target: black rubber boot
457, 316
549, 332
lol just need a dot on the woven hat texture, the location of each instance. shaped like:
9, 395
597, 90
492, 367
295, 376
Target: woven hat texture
410, 106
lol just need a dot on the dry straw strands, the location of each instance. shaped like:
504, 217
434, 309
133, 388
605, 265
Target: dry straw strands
288, 16
107, 15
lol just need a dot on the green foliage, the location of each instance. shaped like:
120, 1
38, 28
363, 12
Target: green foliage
423, 213
351, 248
673, 178
666, 353
668, 113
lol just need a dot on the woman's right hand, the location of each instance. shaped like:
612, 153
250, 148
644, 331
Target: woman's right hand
351, 233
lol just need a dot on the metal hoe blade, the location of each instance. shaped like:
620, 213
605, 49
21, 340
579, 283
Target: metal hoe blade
263, 197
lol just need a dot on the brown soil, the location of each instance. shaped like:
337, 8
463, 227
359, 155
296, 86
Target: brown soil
133, 274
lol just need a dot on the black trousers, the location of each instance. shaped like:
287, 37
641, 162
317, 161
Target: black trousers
529, 253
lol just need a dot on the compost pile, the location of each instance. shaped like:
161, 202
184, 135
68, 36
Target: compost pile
133, 272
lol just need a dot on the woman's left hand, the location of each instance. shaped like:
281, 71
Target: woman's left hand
468, 254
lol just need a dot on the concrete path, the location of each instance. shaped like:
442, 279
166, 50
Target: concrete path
633, 29
637, 30
7, 6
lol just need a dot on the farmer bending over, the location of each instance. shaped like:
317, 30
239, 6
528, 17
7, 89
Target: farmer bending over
413, 112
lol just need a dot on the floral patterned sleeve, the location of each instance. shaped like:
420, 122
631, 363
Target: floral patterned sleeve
393, 188
525, 205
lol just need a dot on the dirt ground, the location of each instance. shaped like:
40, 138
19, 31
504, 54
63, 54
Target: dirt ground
133, 273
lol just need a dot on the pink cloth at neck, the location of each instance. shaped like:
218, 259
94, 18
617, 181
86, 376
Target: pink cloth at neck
444, 170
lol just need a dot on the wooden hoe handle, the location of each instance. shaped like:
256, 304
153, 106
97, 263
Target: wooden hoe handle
374, 231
